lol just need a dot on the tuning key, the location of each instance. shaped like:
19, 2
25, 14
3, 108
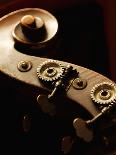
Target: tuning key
26, 123
84, 129
46, 105
67, 144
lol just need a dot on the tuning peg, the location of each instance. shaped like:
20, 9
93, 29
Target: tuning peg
66, 144
47, 102
26, 123
46, 105
84, 129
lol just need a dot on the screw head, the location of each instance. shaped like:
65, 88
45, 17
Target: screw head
79, 83
24, 66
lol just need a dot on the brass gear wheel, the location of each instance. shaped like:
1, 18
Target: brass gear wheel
49, 71
104, 93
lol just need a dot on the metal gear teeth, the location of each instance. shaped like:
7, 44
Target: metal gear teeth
104, 93
49, 71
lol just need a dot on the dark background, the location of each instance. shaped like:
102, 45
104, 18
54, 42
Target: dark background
83, 40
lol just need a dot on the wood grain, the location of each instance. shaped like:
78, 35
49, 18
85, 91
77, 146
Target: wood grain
10, 57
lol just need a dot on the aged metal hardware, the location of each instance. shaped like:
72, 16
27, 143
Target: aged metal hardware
84, 129
60, 86
52, 71
47, 102
46, 106
49, 71
79, 83
103, 93
24, 66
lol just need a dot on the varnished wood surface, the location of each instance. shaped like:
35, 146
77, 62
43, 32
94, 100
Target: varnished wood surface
10, 57
7, 7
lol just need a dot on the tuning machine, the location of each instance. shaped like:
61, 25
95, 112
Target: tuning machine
103, 94
57, 76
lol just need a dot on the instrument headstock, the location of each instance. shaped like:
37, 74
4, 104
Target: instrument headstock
64, 92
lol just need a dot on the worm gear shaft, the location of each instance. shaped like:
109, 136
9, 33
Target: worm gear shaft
104, 93
49, 71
